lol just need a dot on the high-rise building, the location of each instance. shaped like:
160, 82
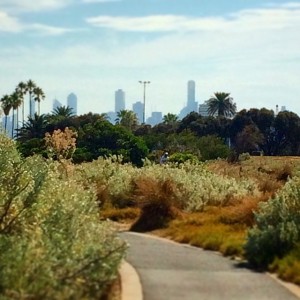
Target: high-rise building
56, 104
72, 103
119, 100
192, 105
138, 107
191, 92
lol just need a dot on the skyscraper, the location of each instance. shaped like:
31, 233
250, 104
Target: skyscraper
119, 100
192, 105
72, 103
191, 92
138, 107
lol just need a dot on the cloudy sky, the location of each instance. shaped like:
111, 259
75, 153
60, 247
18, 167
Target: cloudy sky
94, 47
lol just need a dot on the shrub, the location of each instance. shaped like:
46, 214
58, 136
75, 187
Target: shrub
157, 200
183, 157
52, 244
277, 226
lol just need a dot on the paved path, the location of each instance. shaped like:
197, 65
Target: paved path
171, 271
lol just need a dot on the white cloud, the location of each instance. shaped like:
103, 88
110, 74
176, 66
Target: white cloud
274, 18
30, 5
48, 30
9, 24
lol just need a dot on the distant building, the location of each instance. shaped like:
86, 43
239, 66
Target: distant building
119, 100
56, 104
203, 110
72, 103
112, 117
192, 105
156, 118
138, 108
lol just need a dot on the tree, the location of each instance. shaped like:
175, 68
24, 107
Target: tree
63, 111
34, 128
38, 96
127, 119
16, 102
21, 89
6, 106
170, 119
222, 104
30, 86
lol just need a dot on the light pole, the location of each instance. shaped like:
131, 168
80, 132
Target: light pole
144, 98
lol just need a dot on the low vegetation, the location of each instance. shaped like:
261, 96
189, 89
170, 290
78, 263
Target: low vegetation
52, 243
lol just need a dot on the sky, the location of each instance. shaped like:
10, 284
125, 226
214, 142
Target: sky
248, 48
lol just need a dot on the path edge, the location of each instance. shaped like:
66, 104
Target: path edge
131, 288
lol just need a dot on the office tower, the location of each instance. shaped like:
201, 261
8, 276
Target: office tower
138, 107
56, 104
191, 92
111, 117
119, 100
156, 118
191, 105
72, 103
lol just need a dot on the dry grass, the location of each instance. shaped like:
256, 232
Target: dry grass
127, 215
205, 230
158, 202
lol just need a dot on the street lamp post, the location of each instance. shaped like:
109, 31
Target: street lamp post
144, 97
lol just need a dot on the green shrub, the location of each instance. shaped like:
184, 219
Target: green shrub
277, 227
183, 157
52, 244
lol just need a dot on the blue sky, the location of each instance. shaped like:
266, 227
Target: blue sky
94, 47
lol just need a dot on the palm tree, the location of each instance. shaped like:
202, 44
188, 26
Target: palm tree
21, 88
127, 118
34, 128
6, 106
170, 119
63, 111
39, 95
16, 102
30, 86
222, 104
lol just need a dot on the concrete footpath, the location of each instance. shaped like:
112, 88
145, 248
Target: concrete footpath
172, 271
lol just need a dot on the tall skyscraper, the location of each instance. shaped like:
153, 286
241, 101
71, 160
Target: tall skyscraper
119, 100
138, 107
72, 103
192, 105
191, 92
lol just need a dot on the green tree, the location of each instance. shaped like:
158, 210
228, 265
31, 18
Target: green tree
170, 119
21, 89
38, 97
127, 119
221, 104
34, 128
16, 101
30, 86
6, 105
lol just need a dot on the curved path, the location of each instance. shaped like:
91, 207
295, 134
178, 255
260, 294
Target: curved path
171, 271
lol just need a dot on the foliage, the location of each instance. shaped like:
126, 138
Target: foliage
277, 228
52, 244
222, 105
180, 158
61, 144
157, 200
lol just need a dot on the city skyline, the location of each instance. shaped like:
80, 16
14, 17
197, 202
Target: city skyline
247, 48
